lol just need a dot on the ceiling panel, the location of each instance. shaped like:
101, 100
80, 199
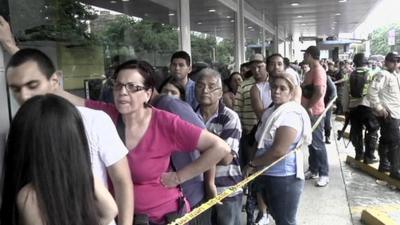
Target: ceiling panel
316, 17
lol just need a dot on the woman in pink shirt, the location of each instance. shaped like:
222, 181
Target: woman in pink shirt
152, 135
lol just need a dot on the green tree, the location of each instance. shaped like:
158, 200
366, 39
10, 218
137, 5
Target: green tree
202, 48
379, 39
121, 33
65, 20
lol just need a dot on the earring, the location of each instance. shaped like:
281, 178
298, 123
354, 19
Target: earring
147, 105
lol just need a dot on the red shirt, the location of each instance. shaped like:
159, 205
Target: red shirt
317, 77
166, 134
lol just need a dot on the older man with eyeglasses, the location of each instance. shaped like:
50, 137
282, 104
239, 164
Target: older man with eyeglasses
225, 123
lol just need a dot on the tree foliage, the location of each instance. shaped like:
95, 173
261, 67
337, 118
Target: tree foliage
68, 20
379, 40
124, 32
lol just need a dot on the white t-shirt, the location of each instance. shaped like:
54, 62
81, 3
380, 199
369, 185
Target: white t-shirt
265, 93
106, 148
287, 166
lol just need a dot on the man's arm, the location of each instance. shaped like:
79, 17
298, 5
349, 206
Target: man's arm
123, 188
105, 203
256, 102
112, 153
6, 37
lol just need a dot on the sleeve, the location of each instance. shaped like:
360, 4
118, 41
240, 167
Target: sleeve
180, 108
111, 148
331, 86
377, 84
103, 106
232, 133
186, 135
291, 119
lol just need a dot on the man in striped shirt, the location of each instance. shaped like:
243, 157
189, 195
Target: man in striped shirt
247, 115
224, 123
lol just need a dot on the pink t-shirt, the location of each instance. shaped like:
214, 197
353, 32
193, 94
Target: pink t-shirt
317, 77
167, 133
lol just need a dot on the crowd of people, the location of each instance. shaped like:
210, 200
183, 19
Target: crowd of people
163, 150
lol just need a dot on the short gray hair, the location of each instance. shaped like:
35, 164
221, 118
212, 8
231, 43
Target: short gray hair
211, 73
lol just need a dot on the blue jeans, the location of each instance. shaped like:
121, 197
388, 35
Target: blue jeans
229, 213
327, 123
318, 158
282, 195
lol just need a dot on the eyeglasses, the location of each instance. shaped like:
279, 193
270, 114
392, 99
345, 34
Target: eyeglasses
130, 87
397, 60
204, 87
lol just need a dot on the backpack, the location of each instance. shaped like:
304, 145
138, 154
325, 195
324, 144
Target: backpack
358, 79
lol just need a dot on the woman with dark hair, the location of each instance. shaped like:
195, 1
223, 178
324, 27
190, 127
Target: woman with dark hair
152, 135
232, 85
284, 127
47, 172
172, 88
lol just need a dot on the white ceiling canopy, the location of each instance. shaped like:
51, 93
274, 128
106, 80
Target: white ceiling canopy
312, 18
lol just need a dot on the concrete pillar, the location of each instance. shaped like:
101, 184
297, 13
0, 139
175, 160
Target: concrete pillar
285, 48
276, 39
184, 25
5, 108
4, 112
239, 35
263, 47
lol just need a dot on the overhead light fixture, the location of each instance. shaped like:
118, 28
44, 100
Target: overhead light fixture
341, 1
250, 27
338, 14
125, 0
199, 23
232, 21
300, 16
113, 1
228, 17
303, 24
171, 14
294, 4
212, 10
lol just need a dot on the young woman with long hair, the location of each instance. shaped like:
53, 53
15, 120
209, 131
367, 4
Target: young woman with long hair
47, 174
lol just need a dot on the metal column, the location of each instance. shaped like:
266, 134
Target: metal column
276, 39
184, 25
263, 47
239, 35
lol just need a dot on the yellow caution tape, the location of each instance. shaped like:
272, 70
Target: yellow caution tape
235, 188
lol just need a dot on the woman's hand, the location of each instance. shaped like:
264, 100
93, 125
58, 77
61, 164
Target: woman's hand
248, 170
170, 179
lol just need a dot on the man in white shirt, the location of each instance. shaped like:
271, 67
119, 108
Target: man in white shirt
384, 96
